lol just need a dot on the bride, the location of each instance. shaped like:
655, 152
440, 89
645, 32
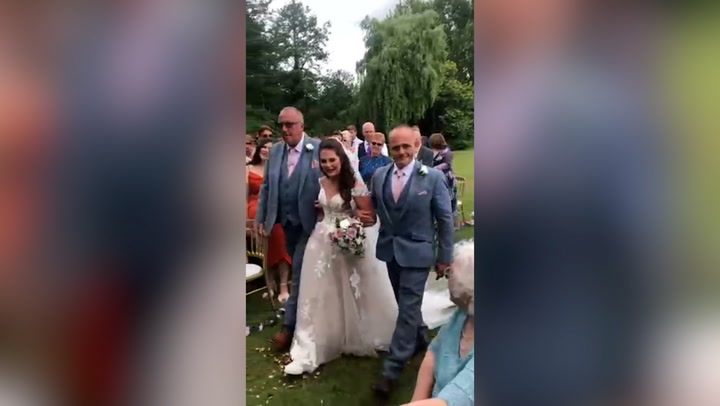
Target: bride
346, 304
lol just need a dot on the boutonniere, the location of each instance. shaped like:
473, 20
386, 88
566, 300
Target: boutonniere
423, 170
309, 146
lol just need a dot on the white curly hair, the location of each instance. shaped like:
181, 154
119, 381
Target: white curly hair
461, 282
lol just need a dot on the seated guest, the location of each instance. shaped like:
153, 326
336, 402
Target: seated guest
370, 163
447, 374
442, 161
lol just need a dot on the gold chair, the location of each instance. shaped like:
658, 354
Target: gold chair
257, 248
460, 182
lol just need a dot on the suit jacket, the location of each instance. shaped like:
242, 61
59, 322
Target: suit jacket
425, 155
409, 237
309, 189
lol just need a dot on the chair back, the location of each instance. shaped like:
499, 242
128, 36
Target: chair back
460, 182
256, 243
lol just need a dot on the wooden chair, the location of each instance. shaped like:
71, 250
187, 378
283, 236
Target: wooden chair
257, 248
460, 182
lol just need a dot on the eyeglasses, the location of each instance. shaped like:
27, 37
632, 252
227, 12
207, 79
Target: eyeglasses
377, 144
288, 124
266, 135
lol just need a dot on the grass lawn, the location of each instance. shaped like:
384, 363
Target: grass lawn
344, 382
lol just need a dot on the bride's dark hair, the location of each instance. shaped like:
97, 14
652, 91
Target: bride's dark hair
346, 177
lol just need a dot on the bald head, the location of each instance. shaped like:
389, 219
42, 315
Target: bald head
402, 145
416, 132
368, 129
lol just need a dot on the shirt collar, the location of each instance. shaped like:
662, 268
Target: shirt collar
299, 145
406, 170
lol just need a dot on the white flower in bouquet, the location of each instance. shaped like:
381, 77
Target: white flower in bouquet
344, 224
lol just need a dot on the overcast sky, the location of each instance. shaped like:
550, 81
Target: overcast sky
345, 44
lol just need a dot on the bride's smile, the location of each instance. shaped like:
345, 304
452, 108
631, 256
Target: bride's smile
330, 163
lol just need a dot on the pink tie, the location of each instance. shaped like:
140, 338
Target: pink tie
398, 185
292, 160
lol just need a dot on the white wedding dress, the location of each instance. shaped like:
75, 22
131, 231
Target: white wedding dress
346, 304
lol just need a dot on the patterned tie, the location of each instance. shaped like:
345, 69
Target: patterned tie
292, 160
398, 185
367, 148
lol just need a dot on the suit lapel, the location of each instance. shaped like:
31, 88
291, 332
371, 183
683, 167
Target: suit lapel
406, 195
305, 156
380, 188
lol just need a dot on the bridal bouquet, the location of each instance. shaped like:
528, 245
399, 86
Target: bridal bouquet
349, 236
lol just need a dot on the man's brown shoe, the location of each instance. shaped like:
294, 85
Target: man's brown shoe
283, 340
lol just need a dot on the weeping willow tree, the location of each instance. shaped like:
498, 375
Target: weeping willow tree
401, 72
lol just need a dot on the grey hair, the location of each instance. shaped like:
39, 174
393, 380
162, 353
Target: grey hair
462, 284
295, 110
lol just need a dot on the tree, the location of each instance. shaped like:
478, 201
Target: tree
456, 16
298, 37
454, 108
261, 59
401, 74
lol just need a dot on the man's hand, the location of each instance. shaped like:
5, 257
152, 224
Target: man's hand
440, 270
320, 211
366, 217
259, 229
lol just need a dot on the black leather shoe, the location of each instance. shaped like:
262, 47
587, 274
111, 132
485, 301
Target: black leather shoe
384, 387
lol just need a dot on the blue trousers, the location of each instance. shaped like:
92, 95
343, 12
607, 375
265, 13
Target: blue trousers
296, 239
410, 330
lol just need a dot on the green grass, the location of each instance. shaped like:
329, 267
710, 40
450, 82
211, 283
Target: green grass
343, 382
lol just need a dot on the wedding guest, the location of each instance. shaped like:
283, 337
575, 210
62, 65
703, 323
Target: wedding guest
278, 259
423, 153
356, 142
447, 374
376, 160
350, 149
442, 161
265, 132
368, 129
250, 145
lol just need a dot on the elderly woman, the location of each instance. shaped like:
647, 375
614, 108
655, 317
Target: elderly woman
447, 374
376, 160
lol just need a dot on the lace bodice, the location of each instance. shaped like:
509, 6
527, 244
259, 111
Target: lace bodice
335, 206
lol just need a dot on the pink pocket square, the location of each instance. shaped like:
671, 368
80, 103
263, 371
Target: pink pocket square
424, 192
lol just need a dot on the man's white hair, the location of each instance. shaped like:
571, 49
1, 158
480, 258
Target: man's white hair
295, 110
463, 273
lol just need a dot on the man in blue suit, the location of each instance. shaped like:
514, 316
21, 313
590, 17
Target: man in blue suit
287, 197
411, 200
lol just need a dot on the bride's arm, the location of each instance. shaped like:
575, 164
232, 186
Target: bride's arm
365, 210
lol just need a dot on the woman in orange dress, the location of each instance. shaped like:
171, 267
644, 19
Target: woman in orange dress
277, 256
